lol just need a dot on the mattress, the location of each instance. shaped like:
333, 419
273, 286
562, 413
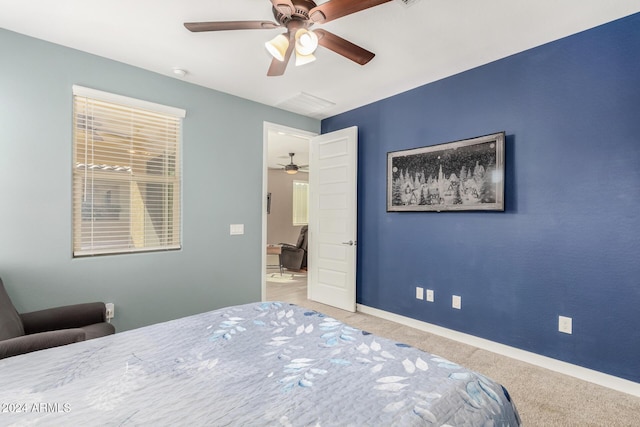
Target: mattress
260, 364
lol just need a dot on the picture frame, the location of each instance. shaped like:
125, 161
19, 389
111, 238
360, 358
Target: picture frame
465, 175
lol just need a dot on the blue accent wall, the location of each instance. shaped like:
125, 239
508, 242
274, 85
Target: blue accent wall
212, 270
569, 241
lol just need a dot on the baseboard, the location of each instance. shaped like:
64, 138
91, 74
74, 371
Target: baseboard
596, 377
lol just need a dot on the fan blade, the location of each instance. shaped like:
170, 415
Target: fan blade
277, 67
335, 9
343, 47
285, 7
197, 27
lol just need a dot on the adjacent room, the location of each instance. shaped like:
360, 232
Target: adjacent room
262, 212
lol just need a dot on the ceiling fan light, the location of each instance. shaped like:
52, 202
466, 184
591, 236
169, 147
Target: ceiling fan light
306, 42
291, 169
304, 59
278, 46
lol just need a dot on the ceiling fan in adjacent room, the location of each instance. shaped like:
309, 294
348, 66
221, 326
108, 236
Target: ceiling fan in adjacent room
292, 168
298, 16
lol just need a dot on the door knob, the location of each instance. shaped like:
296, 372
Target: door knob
350, 243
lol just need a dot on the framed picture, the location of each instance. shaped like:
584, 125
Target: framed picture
463, 175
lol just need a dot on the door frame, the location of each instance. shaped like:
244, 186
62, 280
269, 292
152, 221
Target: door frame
268, 126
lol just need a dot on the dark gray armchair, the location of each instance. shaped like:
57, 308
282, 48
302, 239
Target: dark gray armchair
295, 257
37, 330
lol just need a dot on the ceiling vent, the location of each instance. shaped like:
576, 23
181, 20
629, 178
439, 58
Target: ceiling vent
408, 2
306, 104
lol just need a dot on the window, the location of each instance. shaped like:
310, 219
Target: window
126, 174
300, 203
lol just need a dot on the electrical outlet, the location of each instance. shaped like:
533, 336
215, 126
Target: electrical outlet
111, 310
419, 292
430, 295
456, 301
565, 324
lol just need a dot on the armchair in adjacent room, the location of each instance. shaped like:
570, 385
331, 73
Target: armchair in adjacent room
26, 332
295, 257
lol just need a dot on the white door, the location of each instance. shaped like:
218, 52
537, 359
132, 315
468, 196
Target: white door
331, 269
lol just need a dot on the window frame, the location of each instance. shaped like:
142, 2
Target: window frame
169, 182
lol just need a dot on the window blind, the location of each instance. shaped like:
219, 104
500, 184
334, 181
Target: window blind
126, 175
300, 203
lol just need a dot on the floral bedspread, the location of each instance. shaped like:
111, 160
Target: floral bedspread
261, 364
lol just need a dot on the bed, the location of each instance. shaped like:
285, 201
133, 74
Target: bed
260, 364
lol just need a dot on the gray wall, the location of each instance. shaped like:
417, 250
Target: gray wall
212, 270
280, 228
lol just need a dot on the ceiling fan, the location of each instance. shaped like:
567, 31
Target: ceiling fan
292, 168
298, 16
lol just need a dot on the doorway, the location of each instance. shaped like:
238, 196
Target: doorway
284, 146
332, 209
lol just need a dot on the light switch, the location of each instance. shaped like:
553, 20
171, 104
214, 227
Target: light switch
235, 229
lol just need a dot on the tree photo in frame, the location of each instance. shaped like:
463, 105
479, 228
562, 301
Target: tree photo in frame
463, 175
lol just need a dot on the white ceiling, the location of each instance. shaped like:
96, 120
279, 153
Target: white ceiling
279, 146
414, 45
